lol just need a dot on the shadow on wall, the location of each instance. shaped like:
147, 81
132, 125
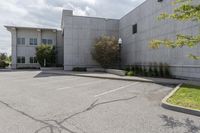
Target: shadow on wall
188, 124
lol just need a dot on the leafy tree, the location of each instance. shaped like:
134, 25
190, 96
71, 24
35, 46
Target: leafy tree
106, 51
46, 53
3, 56
186, 11
3, 60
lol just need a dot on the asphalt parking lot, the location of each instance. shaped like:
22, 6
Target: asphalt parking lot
32, 102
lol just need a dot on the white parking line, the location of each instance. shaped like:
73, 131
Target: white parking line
114, 90
84, 84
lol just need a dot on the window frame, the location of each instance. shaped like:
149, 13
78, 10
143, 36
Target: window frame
33, 60
20, 41
33, 41
21, 59
50, 41
47, 41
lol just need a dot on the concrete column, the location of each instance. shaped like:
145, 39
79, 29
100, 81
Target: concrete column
39, 36
14, 47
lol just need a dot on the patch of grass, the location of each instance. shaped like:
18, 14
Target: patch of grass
187, 96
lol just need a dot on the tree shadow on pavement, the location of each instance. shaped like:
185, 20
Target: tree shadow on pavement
188, 124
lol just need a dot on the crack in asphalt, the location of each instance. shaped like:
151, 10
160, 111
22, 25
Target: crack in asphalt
59, 127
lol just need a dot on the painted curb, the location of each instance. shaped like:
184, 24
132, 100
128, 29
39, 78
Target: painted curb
177, 108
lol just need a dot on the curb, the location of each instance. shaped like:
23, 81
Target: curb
177, 108
112, 78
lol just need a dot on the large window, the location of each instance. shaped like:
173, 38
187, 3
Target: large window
20, 41
33, 41
20, 59
134, 29
47, 41
33, 60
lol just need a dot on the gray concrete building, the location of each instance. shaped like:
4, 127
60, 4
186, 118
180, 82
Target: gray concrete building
137, 28
135, 45
80, 34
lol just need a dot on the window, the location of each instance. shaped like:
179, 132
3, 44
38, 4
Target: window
33, 60
21, 41
47, 41
33, 41
50, 41
134, 29
21, 59
44, 41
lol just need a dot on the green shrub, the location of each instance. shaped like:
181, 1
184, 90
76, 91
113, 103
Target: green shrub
161, 71
79, 69
106, 51
131, 73
150, 71
127, 68
136, 69
3, 64
155, 70
167, 72
145, 72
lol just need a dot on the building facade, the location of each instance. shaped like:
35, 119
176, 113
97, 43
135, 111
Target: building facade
78, 34
25, 40
136, 45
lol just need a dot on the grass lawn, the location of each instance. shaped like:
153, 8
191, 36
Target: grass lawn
186, 96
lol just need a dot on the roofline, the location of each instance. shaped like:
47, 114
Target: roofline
134, 9
22, 27
96, 17
86, 16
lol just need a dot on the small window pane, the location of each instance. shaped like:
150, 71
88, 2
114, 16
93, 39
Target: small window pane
23, 41
35, 60
18, 60
31, 59
35, 41
23, 59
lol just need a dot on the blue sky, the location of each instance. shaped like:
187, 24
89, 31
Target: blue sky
48, 13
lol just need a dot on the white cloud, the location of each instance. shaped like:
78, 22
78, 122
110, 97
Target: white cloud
48, 13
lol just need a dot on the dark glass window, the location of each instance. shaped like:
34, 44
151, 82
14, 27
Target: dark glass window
134, 29
50, 41
33, 60
44, 41
47, 41
21, 41
33, 41
21, 59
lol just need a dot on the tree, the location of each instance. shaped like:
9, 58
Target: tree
3, 60
45, 55
186, 11
106, 51
3, 56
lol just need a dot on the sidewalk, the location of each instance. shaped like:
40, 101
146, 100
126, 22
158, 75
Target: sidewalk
126, 78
